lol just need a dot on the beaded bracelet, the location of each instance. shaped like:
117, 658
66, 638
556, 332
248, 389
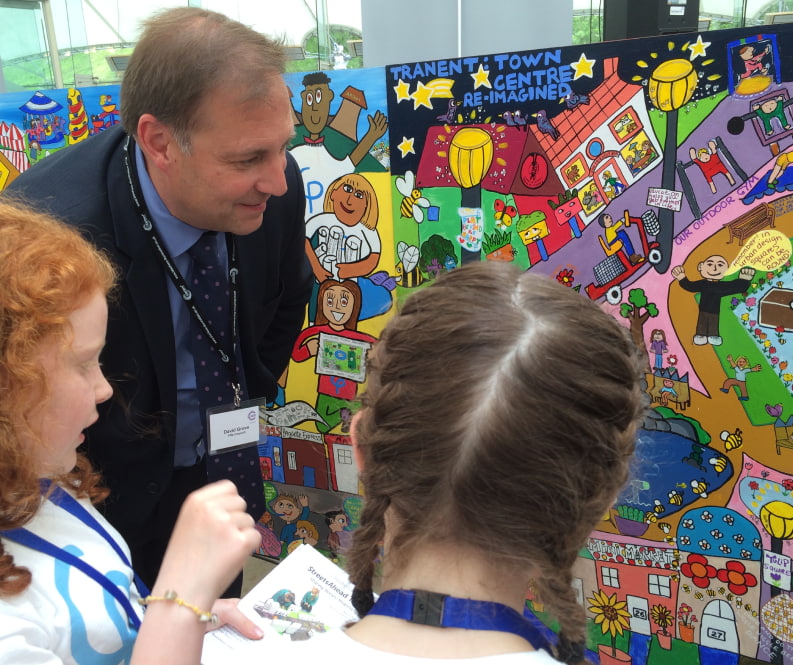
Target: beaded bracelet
172, 596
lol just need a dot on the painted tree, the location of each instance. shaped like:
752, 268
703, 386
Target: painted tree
637, 310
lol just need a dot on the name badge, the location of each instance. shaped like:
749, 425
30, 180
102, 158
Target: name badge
230, 428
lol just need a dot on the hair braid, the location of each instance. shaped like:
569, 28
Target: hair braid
554, 586
365, 549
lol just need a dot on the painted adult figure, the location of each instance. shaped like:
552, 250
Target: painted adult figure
206, 119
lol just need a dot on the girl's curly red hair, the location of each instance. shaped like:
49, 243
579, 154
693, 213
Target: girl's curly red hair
48, 270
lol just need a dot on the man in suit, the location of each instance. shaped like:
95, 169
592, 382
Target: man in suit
206, 121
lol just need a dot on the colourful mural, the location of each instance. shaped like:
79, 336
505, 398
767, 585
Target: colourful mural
651, 175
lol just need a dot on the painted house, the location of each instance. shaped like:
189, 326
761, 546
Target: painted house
608, 137
641, 572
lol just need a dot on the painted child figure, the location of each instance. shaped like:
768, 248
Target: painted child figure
658, 347
712, 289
342, 242
667, 392
338, 310
290, 510
741, 369
709, 162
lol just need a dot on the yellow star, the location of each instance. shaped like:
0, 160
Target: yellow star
583, 67
422, 96
406, 146
402, 91
698, 48
481, 77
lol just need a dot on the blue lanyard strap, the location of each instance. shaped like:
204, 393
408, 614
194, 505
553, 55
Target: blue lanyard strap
435, 609
31, 540
61, 498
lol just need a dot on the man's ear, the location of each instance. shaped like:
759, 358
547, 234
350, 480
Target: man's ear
357, 453
156, 141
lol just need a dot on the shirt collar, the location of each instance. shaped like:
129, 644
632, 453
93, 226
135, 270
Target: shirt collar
177, 236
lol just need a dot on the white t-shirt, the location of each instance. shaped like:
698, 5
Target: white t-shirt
336, 648
319, 169
64, 616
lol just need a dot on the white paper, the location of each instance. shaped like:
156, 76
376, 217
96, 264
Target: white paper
269, 606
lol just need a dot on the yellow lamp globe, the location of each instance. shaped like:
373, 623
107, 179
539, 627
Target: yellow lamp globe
777, 518
672, 84
470, 156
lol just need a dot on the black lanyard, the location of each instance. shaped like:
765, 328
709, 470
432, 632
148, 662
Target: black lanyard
435, 609
227, 356
66, 501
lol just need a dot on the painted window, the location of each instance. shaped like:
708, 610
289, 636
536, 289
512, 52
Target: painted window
658, 585
610, 577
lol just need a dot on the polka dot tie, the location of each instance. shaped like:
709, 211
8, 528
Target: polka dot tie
210, 287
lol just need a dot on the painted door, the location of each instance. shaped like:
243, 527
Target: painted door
640, 614
718, 627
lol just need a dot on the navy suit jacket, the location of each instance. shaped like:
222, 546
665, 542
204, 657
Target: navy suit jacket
132, 444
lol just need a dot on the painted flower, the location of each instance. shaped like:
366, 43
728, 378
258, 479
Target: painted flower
704, 544
565, 276
698, 569
734, 301
707, 516
787, 376
752, 323
728, 519
717, 535
746, 554
688, 523
684, 614
738, 538
725, 548
767, 344
751, 302
787, 483
737, 579
779, 330
774, 359
610, 614
783, 364
662, 616
671, 360
685, 540
745, 317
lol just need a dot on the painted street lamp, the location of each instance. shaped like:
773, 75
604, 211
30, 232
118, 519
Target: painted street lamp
470, 156
670, 87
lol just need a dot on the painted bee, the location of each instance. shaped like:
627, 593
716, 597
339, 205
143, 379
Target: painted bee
699, 487
413, 201
658, 507
719, 463
732, 440
675, 498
